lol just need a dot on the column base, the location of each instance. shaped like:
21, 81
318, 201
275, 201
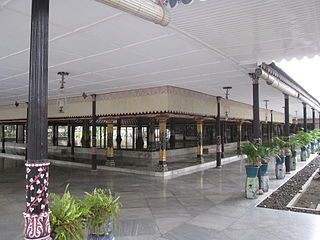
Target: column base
162, 167
280, 171
265, 183
252, 187
200, 159
110, 162
37, 226
3, 151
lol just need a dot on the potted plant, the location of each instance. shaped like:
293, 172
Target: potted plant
294, 143
103, 211
304, 140
66, 218
253, 156
265, 152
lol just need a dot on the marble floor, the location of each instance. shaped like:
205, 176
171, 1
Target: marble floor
207, 205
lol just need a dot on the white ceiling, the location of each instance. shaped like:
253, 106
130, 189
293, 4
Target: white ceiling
208, 45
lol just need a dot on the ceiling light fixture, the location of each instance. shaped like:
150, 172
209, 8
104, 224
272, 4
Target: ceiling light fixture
227, 102
62, 100
153, 11
84, 95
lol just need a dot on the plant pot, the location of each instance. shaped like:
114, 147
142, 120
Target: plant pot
280, 159
264, 169
252, 171
312, 147
303, 154
100, 237
293, 159
105, 232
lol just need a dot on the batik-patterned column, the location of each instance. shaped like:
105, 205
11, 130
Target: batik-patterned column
110, 154
37, 225
151, 133
119, 139
162, 166
200, 140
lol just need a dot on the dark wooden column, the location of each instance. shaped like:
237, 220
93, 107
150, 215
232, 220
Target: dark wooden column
69, 136
313, 119
55, 132
85, 142
119, 139
73, 128
287, 130
110, 152
271, 124
139, 142
94, 133
3, 135
256, 108
218, 134
20, 133
239, 134
305, 117
37, 166
172, 139
151, 133
223, 137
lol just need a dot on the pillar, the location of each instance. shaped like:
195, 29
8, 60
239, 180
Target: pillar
110, 154
139, 142
313, 119
151, 133
223, 137
69, 136
305, 117
200, 140
271, 125
20, 133
94, 133
287, 132
256, 119
162, 166
73, 128
239, 134
37, 167
218, 134
256, 109
3, 134
85, 141
172, 139
319, 120
119, 139
55, 133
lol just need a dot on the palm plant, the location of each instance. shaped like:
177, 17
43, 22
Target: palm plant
103, 208
252, 152
67, 217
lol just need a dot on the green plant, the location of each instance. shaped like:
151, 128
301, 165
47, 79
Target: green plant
252, 153
67, 217
304, 138
294, 142
265, 151
101, 206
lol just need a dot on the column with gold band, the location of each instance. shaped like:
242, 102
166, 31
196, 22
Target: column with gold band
110, 154
200, 140
162, 166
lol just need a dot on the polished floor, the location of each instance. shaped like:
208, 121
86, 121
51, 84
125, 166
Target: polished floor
206, 205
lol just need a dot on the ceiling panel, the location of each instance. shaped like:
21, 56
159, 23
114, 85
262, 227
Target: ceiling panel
208, 45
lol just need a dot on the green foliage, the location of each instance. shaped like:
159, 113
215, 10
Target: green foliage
101, 206
304, 138
294, 142
67, 217
266, 151
252, 153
